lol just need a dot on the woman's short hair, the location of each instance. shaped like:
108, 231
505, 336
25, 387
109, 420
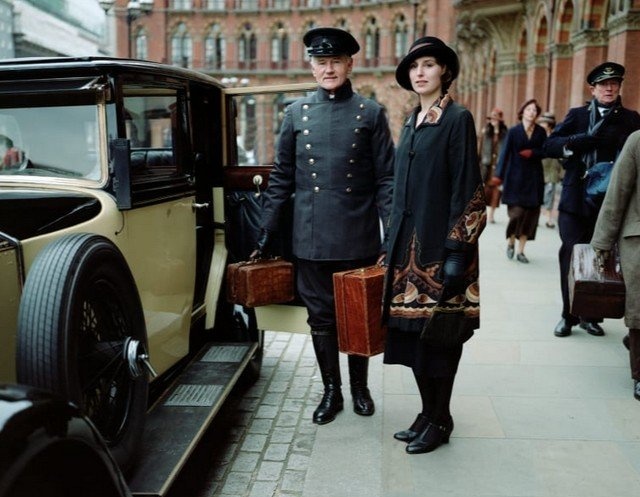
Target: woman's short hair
527, 103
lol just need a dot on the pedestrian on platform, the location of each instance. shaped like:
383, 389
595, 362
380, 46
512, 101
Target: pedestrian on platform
552, 170
592, 133
619, 222
437, 216
519, 171
335, 153
491, 141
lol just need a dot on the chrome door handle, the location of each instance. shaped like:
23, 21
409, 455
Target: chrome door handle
196, 206
257, 181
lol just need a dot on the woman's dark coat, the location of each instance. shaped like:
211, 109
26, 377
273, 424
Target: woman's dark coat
439, 196
522, 179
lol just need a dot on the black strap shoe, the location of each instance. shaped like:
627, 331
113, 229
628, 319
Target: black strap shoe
432, 437
636, 389
592, 328
414, 430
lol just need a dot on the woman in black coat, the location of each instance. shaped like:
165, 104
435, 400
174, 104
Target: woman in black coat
437, 215
520, 172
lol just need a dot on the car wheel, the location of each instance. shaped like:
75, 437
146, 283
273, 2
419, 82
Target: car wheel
81, 333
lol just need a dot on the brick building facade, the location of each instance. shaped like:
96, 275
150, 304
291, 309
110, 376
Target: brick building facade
509, 50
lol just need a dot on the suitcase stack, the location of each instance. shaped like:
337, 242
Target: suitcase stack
358, 299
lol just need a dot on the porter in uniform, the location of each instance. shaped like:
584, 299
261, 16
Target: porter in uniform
335, 153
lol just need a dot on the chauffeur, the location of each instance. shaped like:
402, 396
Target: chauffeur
591, 133
335, 153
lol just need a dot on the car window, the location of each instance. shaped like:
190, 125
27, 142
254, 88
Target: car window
152, 126
55, 141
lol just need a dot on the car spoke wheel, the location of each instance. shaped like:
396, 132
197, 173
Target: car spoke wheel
79, 311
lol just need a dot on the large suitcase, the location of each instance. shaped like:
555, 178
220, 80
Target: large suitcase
358, 299
261, 282
595, 293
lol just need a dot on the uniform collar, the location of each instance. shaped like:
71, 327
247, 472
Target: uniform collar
342, 93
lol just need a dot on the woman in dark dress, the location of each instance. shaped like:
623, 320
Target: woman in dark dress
437, 216
520, 172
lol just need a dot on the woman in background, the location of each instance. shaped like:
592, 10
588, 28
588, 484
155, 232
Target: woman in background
519, 171
491, 141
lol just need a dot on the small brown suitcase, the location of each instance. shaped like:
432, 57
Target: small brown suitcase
593, 293
261, 282
358, 298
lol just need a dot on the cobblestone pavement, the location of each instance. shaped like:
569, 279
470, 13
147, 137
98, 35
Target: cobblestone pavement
261, 441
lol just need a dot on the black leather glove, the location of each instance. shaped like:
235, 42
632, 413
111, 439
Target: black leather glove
262, 244
582, 142
453, 268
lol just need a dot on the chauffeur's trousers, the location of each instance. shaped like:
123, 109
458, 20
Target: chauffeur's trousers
315, 287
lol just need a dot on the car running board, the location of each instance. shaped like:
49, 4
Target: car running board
180, 417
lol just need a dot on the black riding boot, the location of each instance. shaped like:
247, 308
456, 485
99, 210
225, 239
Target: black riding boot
325, 345
362, 401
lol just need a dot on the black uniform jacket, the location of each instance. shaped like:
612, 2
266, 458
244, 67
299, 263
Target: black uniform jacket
335, 152
618, 125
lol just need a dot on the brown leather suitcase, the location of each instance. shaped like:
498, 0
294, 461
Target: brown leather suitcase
358, 299
261, 282
593, 293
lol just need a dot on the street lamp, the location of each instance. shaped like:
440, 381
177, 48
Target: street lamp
134, 10
415, 4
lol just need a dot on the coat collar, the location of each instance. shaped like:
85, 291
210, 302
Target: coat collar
342, 93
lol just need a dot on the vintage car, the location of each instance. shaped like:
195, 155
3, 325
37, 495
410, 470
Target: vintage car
122, 200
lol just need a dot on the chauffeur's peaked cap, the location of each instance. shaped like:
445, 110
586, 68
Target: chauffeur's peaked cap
330, 41
606, 70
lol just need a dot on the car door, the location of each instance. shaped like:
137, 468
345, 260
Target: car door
159, 231
255, 115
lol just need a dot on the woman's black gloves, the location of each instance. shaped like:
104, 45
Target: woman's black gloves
453, 268
582, 142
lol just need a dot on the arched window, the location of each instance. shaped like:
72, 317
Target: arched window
372, 44
400, 38
181, 44
214, 48
141, 45
247, 48
279, 47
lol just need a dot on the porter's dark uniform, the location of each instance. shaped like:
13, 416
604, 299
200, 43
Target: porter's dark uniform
335, 153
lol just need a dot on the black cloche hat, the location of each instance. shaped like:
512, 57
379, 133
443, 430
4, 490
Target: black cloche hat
330, 41
604, 71
428, 45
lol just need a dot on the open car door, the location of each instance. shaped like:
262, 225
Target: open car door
254, 116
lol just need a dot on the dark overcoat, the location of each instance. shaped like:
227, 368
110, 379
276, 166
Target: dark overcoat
522, 178
439, 197
336, 154
618, 125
